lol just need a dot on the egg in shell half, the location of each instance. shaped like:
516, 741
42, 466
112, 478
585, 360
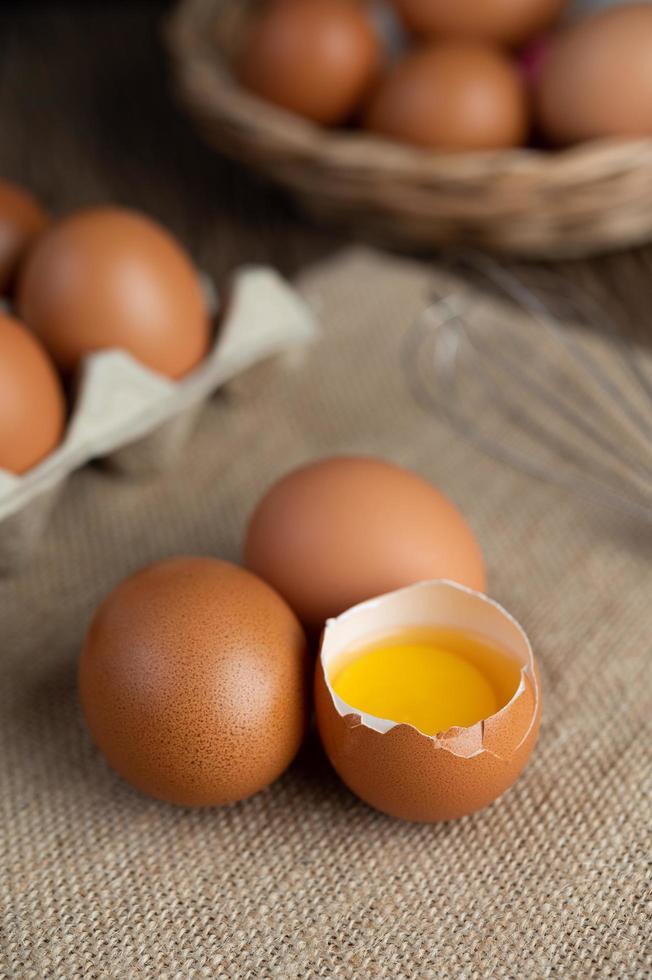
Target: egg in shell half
395, 767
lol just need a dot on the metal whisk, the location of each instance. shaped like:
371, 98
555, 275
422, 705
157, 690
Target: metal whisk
562, 403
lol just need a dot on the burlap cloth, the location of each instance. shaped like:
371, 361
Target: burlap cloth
304, 880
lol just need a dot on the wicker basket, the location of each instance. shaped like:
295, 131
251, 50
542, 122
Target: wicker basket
589, 199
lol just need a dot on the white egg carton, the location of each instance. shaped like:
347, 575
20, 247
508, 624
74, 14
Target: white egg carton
139, 420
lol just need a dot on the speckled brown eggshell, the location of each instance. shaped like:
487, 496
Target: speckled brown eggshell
407, 774
32, 402
193, 682
452, 96
315, 59
509, 22
22, 220
595, 77
108, 278
341, 530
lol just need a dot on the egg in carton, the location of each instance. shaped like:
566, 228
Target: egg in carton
137, 420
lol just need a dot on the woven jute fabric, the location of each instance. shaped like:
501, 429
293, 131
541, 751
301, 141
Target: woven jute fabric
304, 880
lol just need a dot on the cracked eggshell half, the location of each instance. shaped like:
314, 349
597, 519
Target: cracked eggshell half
395, 767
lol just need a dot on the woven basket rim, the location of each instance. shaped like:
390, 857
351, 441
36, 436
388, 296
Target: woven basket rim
202, 70
533, 202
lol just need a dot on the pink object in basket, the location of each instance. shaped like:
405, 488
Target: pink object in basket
532, 58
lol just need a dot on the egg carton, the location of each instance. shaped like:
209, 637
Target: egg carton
137, 420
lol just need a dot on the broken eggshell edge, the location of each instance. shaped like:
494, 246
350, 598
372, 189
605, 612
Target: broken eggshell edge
397, 768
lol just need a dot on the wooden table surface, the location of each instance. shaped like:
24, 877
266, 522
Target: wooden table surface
106, 883
87, 116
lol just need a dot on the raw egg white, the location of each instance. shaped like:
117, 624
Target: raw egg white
453, 95
341, 530
396, 767
314, 58
110, 278
194, 682
32, 402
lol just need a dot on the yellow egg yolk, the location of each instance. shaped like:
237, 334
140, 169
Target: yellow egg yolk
423, 684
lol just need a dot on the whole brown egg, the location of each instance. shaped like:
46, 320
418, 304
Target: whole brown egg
315, 58
194, 682
342, 530
112, 278
32, 403
456, 95
510, 22
595, 79
22, 219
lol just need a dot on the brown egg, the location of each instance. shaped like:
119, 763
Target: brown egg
509, 22
316, 58
193, 682
395, 767
22, 219
342, 530
110, 278
452, 96
596, 77
32, 403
